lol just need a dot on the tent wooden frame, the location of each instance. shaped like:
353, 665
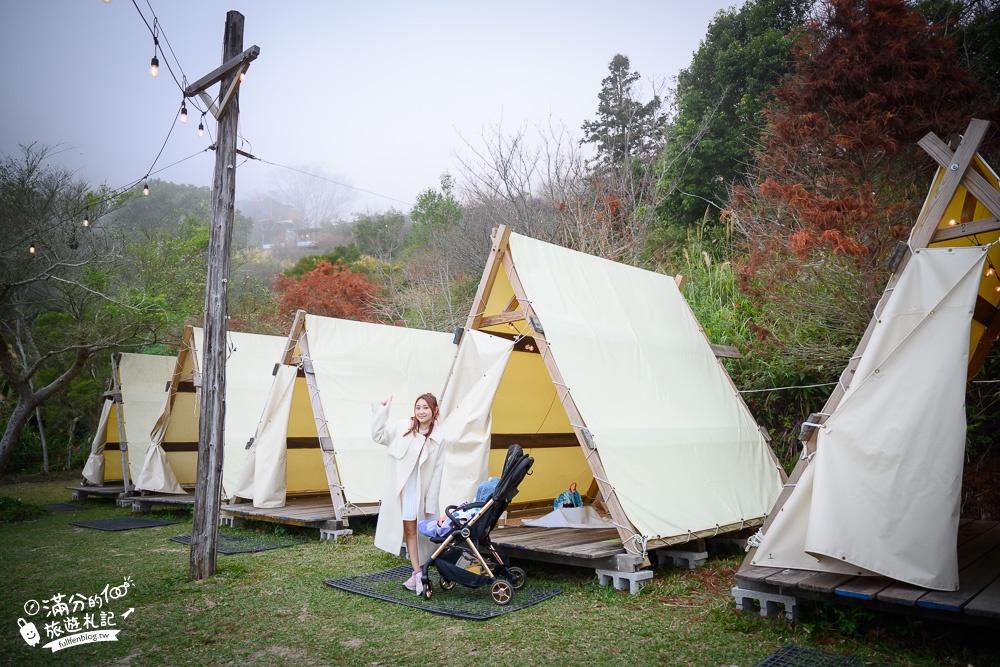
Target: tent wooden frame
176, 430
336, 425
114, 428
298, 340
519, 308
957, 168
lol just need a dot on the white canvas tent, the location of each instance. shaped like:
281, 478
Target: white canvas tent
608, 382
139, 387
171, 461
878, 488
314, 436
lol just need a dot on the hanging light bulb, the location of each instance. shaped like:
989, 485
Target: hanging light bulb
184, 112
31, 248
145, 189
107, 2
154, 67
952, 223
86, 219
990, 271
243, 75
201, 129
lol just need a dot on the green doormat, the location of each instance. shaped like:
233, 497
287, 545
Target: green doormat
796, 656
241, 544
472, 603
126, 523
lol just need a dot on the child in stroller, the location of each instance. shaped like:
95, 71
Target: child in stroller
466, 538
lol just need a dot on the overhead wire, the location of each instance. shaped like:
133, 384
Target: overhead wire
113, 194
330, 180
156, 31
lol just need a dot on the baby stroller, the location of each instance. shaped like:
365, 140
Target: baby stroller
466, 555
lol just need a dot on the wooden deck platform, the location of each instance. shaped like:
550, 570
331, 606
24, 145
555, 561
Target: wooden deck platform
308, 511
598, 548
145, 503
84, 491
976, 602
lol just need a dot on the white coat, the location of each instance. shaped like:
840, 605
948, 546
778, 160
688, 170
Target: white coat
406, 453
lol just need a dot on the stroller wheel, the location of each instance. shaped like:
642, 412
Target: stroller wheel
447, 585
516, 576
427, 591
501, 591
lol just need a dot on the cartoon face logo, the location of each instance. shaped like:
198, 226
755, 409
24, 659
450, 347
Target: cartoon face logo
29, 632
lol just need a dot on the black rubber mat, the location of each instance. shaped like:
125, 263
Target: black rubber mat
461, 602
241, 544
125, 523
63, 507
796, 656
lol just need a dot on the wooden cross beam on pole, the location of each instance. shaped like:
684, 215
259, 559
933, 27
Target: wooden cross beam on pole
211, 428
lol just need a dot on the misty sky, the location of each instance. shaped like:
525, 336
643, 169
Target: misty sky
377, 95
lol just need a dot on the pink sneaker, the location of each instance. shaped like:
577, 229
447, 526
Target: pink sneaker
419, 587
411, 583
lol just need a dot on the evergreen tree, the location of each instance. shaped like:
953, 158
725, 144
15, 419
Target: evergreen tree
625, 127
720, 96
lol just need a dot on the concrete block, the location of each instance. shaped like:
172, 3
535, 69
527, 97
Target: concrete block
633, 582
122, 502
769, 603
681, 558
334, 534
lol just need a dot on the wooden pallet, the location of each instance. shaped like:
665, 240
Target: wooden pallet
598, 548
145, 503
307, 511
976, 602
84, 491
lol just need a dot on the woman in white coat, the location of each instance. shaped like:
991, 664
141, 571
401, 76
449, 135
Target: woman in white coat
412, 480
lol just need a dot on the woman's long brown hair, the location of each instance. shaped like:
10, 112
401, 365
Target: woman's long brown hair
433, 404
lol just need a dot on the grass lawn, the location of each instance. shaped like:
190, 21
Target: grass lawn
271, 608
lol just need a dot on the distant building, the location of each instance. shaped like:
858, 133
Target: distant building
280, 226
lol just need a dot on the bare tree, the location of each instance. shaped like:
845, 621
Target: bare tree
319, 197
61, 298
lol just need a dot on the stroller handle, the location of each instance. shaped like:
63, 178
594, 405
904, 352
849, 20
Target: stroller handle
449, 511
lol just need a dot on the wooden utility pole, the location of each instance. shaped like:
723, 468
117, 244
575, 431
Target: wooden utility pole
211, 429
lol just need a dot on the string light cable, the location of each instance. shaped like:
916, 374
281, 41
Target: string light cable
97, 204
804, 386
157, 31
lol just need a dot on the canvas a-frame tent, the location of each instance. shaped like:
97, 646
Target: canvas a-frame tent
601, 371
138, 389
171, 462
314, 434
877, 490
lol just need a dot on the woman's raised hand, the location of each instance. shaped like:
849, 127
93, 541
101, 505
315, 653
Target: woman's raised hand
387, 401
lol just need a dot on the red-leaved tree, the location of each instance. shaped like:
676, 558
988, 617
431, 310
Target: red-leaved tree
330, 290
840, 176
